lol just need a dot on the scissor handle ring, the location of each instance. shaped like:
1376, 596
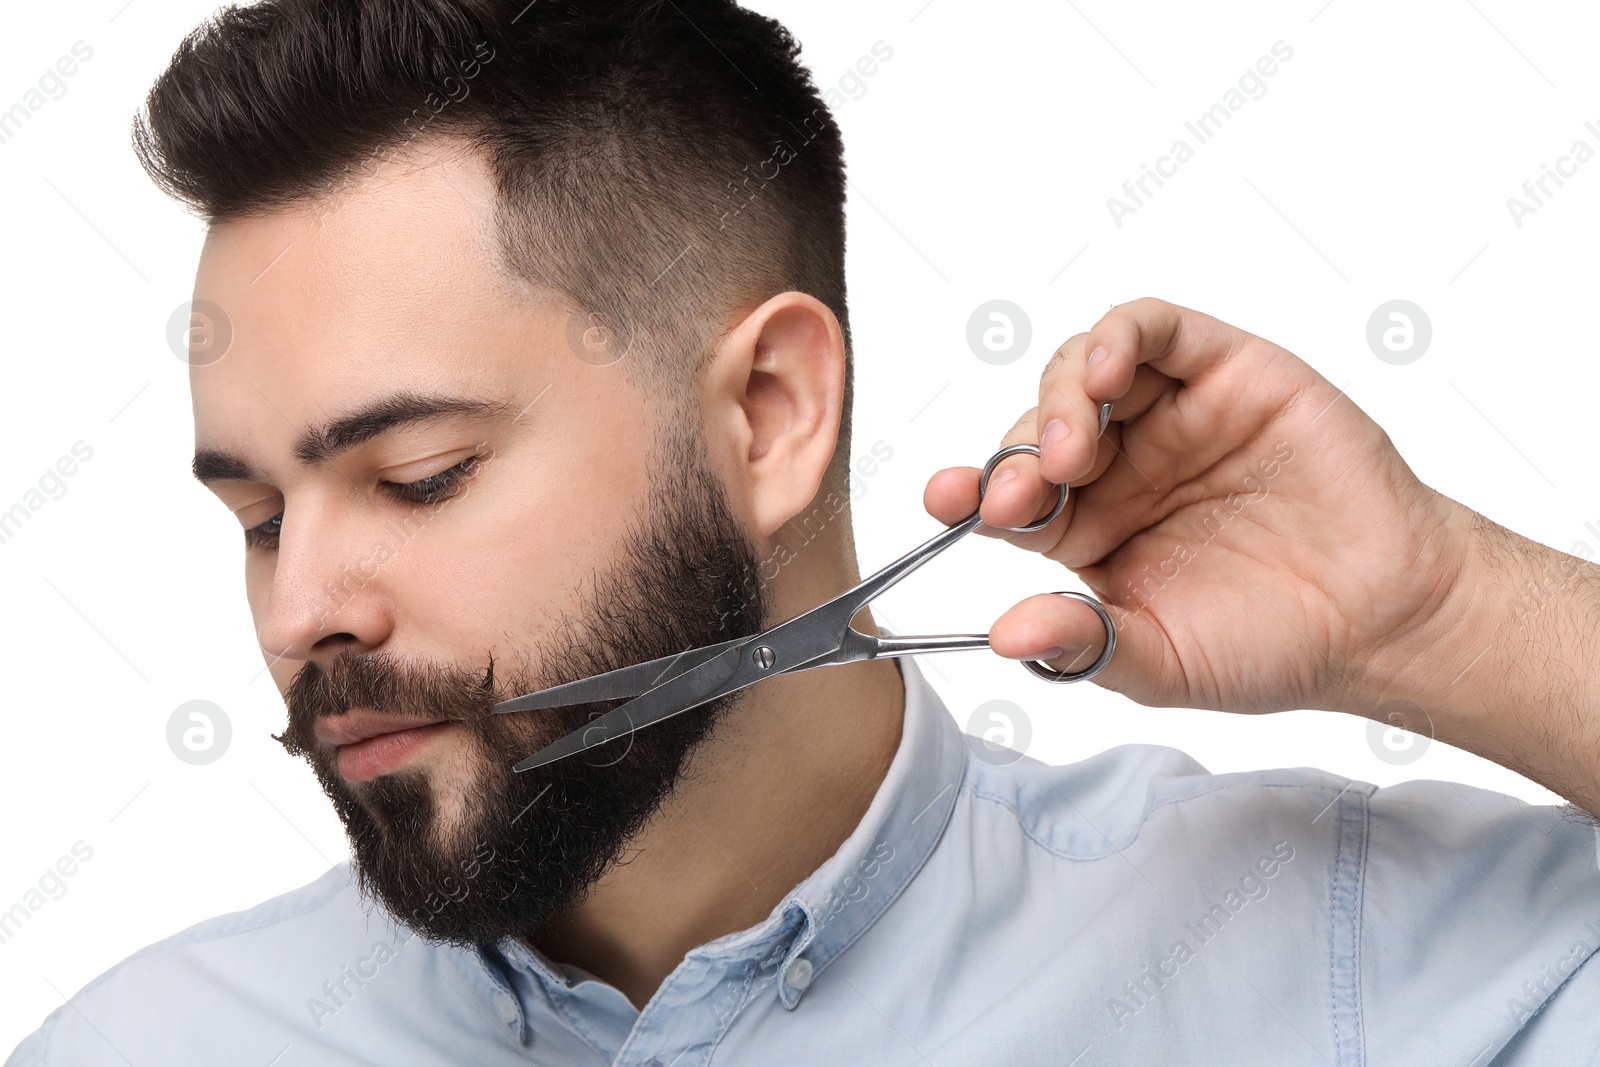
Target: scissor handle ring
1051, 675
983, 487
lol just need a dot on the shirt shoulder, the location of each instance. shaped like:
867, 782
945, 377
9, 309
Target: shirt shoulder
190, 982
1439, 919
1105, 803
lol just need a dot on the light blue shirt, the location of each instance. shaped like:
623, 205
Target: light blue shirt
1128, 909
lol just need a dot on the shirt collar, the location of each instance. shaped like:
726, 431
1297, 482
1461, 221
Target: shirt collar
906, 818
841, 899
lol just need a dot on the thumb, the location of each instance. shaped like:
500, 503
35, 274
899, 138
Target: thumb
1069, 635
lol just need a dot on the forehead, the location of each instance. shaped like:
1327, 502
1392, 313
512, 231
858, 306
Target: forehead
395, 279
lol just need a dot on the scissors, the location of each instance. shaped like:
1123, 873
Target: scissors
822, 637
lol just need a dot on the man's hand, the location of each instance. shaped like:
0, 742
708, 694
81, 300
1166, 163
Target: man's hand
1258, 540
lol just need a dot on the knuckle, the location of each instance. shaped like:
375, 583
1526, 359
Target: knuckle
1068, 349
1022, 428
1126, 317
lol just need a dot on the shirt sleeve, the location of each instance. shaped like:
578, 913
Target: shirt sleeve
31, 1053
1566, 1029
1476, 911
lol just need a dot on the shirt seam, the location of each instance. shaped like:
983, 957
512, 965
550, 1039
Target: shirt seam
727, 1023
1346, 899
1593, 955
1027, 830
1359, 918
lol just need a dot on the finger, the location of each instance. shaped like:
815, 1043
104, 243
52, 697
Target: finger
1026, 499
1177, 341
953, 493
1016, 494
1102, 365
1068, 635
1069, 423
1114, 480
1066, 398
1128, 497
1018, 491
1149, 385
951, 496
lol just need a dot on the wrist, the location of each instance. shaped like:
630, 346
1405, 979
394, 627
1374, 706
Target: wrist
1506, 666
1410, 673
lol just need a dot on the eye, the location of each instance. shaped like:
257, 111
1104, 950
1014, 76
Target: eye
265, 535
436, 487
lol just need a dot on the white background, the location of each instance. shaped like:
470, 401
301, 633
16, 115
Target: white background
1377, 166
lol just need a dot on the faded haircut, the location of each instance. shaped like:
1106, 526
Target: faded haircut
662, 166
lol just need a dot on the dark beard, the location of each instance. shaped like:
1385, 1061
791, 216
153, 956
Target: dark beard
525, 847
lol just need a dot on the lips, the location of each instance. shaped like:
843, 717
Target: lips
372, 744
359, 724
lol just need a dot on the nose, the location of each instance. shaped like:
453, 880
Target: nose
324, 590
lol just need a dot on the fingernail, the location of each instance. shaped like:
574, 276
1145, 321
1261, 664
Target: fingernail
1054, 431
1050, 653
1097, 355
1003, 476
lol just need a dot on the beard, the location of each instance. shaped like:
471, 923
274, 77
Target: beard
476, 852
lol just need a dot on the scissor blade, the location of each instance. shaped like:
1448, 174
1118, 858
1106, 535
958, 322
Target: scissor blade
617, 684
716, 677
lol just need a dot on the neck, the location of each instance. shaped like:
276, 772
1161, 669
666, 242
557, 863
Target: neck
767, 800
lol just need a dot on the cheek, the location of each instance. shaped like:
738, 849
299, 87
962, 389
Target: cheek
504, 563
282, 671
258, 572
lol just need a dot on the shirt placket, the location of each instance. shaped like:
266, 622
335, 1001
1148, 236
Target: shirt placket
711, 992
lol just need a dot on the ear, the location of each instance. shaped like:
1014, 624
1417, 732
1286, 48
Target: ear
773, 396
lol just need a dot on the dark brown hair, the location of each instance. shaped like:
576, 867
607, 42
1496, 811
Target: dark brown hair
663, 165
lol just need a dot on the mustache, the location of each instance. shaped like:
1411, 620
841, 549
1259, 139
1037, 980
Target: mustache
386, 683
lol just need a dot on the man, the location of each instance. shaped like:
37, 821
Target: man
539, 346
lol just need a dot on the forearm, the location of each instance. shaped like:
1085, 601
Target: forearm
1509, 668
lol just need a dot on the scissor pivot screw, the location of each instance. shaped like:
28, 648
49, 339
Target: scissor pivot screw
763, 657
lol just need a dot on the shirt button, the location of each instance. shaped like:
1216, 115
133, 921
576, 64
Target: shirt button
506, 1007
798, 973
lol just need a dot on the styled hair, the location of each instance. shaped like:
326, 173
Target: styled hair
661, 165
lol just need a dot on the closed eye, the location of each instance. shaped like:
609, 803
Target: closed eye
434, 489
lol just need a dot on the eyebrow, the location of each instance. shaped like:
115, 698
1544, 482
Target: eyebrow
319, 444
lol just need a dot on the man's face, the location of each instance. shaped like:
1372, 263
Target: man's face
444, 506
